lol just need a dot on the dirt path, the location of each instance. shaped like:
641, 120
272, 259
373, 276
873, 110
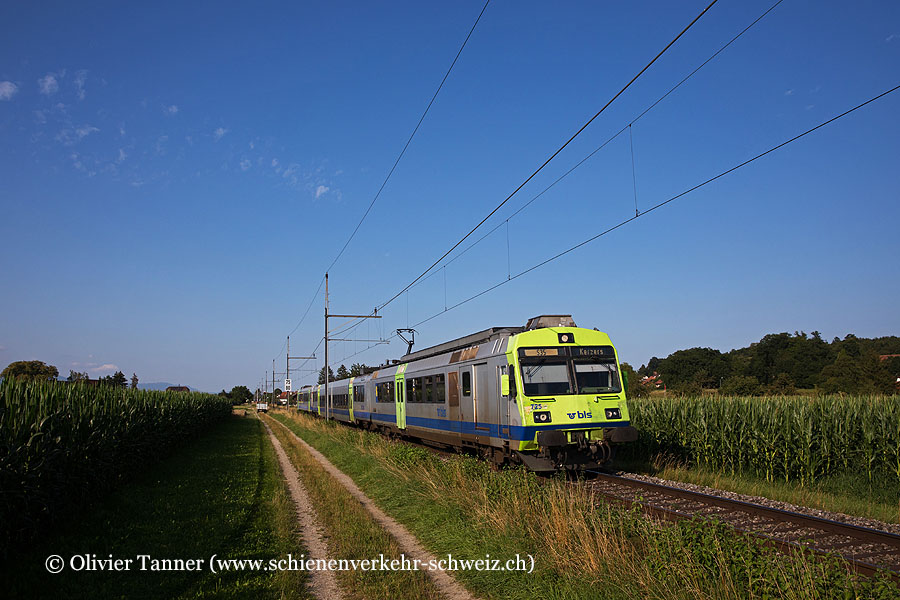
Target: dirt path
447, 585
322, 584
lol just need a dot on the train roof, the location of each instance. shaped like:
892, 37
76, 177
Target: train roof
481, 337
489, 335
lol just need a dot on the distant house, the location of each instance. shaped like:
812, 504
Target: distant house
654, 381
178, 388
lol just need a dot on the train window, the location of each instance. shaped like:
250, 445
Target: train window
439, 390
426, 389
546, 377
384, 392
512, 382
412, 390
467, 383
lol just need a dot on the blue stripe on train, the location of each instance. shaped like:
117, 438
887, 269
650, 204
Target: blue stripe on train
516, 432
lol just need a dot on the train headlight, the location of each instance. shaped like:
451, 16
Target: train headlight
542, 416
613, 413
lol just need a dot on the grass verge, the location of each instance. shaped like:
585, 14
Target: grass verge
843, 493
460, 506
352, 533
221, 494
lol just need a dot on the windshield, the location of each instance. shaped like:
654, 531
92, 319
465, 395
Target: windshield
595, 377
565, 371
546, 377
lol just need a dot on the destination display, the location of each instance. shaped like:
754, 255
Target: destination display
591, 351
541, 351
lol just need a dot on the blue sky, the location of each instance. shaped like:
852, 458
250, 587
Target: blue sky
175, 178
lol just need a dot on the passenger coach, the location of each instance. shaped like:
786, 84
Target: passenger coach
548, 395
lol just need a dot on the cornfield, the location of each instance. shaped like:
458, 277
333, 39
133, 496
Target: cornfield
61, 444
787, 438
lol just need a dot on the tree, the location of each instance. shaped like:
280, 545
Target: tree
702, 366
740, 385
360, 369
117, 379
783, 385
30, 370
322, 375
76, 377
342, 372
134, 381
241, 394
635, 389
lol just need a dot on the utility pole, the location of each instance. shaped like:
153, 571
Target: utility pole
288, 359
327, 399
327, 316
273, 381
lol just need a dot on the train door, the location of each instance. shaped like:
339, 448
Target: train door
453, 400
481, 396
350, 398
466, 400
502, 404
400, 396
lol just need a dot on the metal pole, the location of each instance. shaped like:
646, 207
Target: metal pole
327, 402
287, 369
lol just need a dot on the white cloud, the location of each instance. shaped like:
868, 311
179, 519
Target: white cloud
69, 137
891, 37
40, 116
85, 131
7, 90
171, 110
321, 190
245, 164
105, 367
809, 107
219, 133
48, 84
80, 80
274, 162
122, 155
789, 93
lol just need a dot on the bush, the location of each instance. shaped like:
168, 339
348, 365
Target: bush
740, 385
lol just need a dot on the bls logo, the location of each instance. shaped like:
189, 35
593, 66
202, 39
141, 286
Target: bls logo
580, 415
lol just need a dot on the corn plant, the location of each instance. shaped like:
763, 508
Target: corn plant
60, 444
791, 438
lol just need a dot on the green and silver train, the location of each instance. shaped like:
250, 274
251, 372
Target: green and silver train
548, 395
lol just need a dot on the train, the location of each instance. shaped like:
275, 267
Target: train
549, 396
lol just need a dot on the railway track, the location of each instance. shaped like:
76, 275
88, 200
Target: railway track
867, 551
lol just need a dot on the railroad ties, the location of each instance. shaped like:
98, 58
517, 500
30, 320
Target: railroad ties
867, 551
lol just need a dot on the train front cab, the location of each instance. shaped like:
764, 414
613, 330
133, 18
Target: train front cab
570, 396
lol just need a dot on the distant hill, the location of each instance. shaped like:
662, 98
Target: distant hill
160, 385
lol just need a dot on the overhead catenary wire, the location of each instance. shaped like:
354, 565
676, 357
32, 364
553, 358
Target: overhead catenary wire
552, 156
615, 135
396, 162
660, 205
447, 308
408, 141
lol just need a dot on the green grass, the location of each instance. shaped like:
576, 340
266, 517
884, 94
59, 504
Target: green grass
353, 534
220, 494
847, 493
582, 551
